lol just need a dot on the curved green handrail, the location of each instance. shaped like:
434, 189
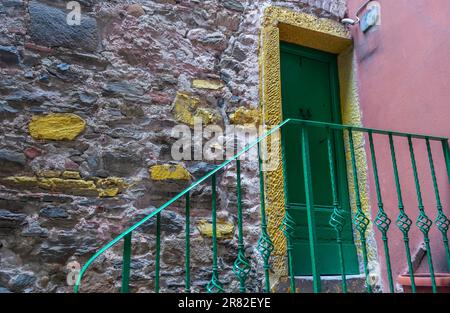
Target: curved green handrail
181, 194
228, 161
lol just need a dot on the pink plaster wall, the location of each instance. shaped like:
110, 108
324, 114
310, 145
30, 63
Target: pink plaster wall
404, 85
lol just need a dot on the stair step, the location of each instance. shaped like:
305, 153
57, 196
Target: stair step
329, 284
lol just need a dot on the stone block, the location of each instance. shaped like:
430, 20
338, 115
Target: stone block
186, 109
71, 175
169, 172
11, 220
224, 230
12, 156
244, 116
48, 27
56, 126
234, 5
9, 55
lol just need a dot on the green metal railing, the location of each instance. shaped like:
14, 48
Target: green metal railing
360, 219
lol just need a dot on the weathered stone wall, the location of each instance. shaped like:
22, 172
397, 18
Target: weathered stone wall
86, 116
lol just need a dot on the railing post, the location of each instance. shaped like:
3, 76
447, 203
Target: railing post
214, 285
310, 210
288, 223
423, 221
360, 220
442, 222
337, 218
382, 220
187, 264
241, 266
403, 221
265, 245
126, 261
158, 251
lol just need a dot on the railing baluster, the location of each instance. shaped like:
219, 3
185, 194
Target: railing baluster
403, 222
187, 265
423, 221
442, 222
310, 210
158, 251
241, 266
288, 223
446, 151
337, 218
360, 220
382, 220
214, 285
265, 245
126, 261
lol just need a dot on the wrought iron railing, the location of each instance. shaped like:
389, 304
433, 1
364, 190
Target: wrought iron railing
265, 246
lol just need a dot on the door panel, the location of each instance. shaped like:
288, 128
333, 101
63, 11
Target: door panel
310, 90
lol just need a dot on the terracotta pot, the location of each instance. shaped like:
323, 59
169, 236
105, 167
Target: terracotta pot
423, 282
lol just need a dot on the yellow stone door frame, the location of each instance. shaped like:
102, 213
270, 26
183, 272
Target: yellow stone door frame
282, 24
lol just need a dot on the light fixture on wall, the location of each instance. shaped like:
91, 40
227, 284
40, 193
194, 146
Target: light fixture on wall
350, 21
356, 20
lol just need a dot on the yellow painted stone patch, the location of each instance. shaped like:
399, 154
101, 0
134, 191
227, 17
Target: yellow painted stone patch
244, 116
169, 171
207, 84
186, 108
25, 181
111, 186
183, 105
103, 187
112, 183
71, 175
56, 126
110, 192
223, 229
62, 185
206, 115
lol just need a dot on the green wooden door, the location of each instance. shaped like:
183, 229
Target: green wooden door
310, 90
